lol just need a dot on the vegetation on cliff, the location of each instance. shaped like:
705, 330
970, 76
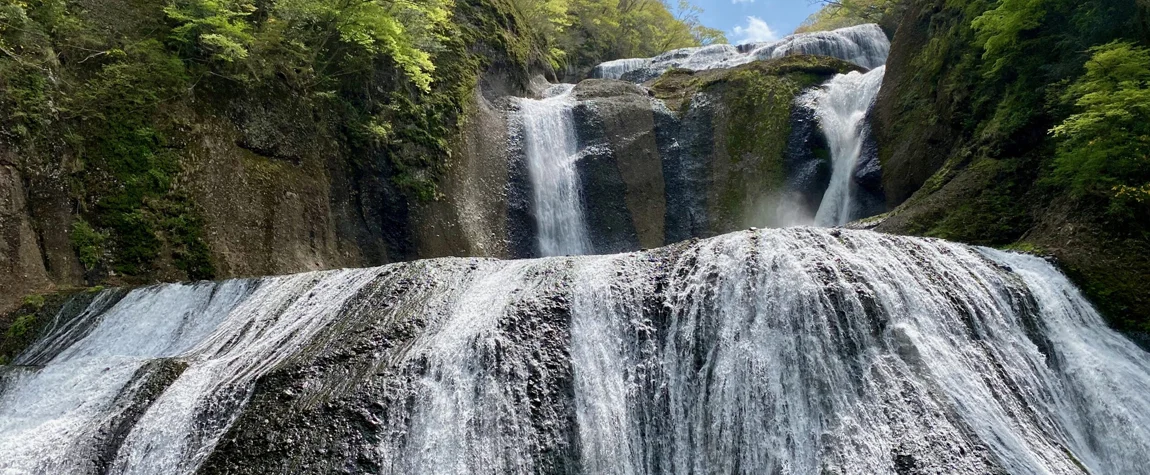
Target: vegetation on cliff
104, 96
845, 13
578, 34
1040, 106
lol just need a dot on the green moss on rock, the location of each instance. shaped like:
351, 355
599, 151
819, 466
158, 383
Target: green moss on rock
676, 87
749, 108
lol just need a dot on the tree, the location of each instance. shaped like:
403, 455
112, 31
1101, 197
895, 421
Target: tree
837, 14
1104, 148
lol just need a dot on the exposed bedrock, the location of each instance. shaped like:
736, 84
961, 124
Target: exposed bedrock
693, 154
814, 350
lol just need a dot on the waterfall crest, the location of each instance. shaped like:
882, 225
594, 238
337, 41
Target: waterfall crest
803, 350
841, 106
864, 45
552, 149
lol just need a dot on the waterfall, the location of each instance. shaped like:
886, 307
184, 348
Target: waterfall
615, 69
464, 420
812, 351
56, 418
802, 350
864, 45
552, 149
841, 106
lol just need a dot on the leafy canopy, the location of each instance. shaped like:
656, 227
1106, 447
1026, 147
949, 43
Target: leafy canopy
837, 14
581, 33
1104, 148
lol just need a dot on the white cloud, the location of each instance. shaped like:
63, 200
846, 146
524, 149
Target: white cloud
756, 30
742, 1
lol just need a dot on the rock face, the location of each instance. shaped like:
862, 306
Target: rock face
964, 158
22, 264
622, 165
693, 154
882, 359
736, 143
911, 118
271, 186
471, 218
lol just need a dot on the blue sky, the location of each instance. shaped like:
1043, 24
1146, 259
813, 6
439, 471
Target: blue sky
755, 20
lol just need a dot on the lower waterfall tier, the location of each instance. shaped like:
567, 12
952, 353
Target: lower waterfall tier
784, 351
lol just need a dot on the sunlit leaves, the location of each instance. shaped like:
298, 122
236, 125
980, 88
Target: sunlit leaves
1104, 148
211, 29
1001, 29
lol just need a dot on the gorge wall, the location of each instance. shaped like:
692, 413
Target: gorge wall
966, 148
250, 178
258, 185
692, 143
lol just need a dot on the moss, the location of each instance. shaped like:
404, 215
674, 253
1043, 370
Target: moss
88, 244
22, 326
1026, 247
677, 86
34, 301
759, 112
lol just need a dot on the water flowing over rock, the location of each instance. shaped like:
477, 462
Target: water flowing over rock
780, 351
841, 106
864, 45
551, 149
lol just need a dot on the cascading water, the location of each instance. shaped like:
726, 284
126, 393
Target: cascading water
552, 149
799, 351
841, 106
864, 45
63, 417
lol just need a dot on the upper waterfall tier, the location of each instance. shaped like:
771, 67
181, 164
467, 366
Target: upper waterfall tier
779, 351
841, 106
551, 148
864, 45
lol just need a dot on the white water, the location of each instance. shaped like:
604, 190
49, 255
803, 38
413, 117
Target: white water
228, 333
464, 418
864, 45
552, 150
806, 351
841, 106
779, 351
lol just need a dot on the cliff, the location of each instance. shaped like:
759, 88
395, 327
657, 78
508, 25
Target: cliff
131, 166
967, 153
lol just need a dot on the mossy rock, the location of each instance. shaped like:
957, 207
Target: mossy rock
676, 87
21, 328
743, 115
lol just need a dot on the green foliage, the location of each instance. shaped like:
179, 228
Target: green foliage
845, 13
34, 301
88, 243
341, 37
210, 30
1104, 148
1001, 29
21, 326
582, 33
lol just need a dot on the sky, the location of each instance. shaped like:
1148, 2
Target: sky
755, 20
